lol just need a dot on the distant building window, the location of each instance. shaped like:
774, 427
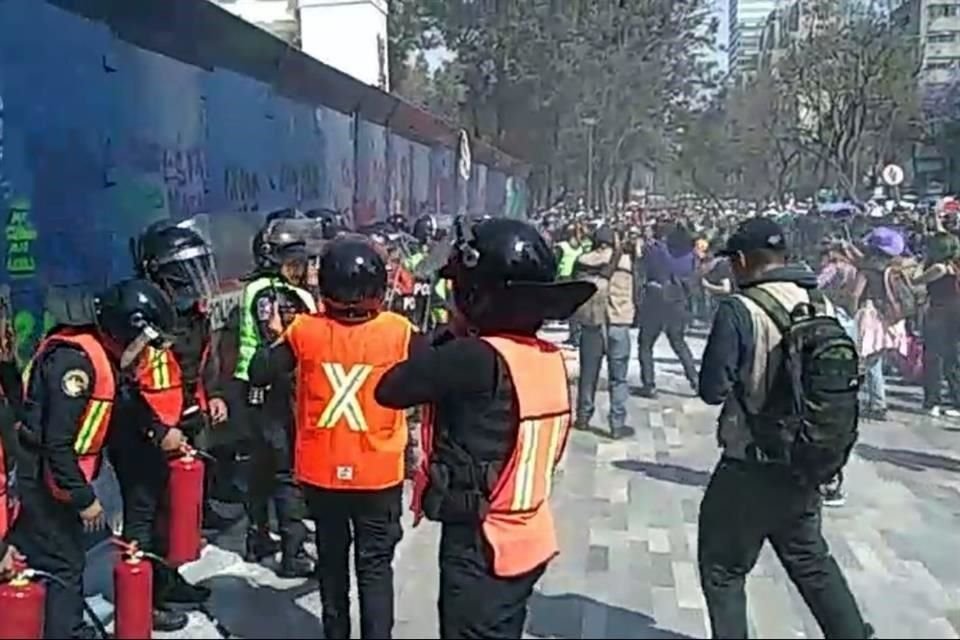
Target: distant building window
935, 65
942, 37
943, 10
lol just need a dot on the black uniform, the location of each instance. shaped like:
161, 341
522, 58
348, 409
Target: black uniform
142, 467
49, 532
272, 425
471, 387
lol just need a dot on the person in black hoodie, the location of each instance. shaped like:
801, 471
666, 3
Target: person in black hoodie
748, 501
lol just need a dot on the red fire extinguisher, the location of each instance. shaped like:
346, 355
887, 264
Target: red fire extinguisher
22, 603
133, 594
185, 508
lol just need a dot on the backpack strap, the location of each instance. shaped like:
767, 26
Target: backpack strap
770, 306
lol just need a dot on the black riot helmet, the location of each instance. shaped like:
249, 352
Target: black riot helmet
134, 314
397, 223
503, 274
353, 278
282, 241
331, 222
425, 229
178, 259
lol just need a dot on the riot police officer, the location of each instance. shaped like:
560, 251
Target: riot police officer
500, 416
281, 253
349, 449
180, 260
70, 404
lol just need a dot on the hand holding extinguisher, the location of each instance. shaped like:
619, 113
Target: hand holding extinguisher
11, 562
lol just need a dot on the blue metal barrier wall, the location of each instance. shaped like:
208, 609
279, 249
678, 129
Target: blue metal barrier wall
100, 136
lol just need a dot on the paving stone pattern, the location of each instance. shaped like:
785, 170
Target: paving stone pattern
627, 517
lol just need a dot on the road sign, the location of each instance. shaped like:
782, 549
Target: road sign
892, 175
466, 162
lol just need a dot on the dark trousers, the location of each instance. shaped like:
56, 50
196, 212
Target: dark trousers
371, 520
746, 505
143, 474
661, 316
271, 478
50, 535
473, 602
941, 357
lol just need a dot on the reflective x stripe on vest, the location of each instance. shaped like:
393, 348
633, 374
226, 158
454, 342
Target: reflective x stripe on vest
249, 333
345, 439
95, 421
344, 403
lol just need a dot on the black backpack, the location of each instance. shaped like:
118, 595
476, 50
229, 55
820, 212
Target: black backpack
809, 420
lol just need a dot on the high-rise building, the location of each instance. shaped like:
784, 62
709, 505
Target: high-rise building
747, 20
348, 35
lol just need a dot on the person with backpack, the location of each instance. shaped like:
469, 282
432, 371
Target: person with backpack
787, 376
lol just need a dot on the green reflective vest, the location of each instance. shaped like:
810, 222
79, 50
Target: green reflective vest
568, 258
249, 340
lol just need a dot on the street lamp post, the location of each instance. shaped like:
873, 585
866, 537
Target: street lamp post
590, 122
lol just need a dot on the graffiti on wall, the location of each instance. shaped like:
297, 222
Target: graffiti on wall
302, 181
246, 189
180, 174
21, 239
241, 187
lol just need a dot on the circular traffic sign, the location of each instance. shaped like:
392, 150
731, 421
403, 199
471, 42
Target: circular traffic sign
892, 175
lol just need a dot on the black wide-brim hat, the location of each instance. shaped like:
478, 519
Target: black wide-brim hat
552, 300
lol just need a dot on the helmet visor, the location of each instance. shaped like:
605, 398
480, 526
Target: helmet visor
190, 275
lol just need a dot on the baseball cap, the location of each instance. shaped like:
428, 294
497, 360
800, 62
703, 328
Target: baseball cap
755, 234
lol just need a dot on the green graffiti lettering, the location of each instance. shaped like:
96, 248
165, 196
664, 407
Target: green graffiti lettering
20, 237
24, 324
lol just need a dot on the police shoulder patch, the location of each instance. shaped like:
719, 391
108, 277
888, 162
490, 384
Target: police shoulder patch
75, 382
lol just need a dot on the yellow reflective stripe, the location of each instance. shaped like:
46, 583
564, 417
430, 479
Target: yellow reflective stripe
160, 367
344, 403
93, 420
555, 436
527, 467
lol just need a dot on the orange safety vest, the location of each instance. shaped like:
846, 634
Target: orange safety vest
95, 421
519, 523
344, 438
160, 381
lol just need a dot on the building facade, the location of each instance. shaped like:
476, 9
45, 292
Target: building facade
350, 36
747, 21
934, 25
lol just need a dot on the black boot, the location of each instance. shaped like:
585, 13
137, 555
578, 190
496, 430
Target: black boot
171, 587
213, 521
167, 620
260, 545
297, 566
294, 561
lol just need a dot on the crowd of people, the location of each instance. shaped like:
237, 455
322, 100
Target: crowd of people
340, 337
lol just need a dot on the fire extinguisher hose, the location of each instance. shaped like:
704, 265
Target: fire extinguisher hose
32, 574
201, 607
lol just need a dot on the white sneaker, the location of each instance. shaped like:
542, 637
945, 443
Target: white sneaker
934, 412
951, 413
